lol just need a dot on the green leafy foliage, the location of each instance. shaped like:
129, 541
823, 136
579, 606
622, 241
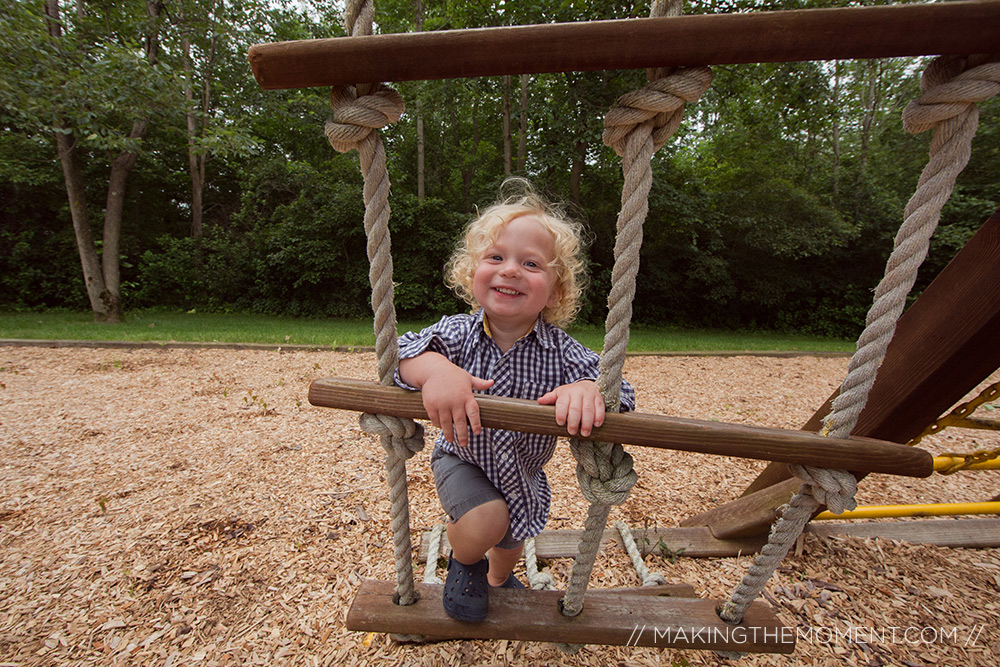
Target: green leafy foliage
773, 208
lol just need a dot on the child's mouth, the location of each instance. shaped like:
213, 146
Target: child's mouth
506, 291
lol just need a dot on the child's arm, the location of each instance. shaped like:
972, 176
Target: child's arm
579, 406
447, 394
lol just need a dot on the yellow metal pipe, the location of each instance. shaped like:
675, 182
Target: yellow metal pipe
890, 511
947, 462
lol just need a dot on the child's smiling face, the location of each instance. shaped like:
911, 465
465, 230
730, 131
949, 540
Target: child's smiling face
515, 280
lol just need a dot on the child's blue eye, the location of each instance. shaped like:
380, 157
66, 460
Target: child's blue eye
531, 265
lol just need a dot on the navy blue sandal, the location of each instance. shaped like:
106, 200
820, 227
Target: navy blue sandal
466, 591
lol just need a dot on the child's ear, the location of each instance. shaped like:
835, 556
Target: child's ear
555, 296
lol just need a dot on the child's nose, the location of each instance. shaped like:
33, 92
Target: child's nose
509, 268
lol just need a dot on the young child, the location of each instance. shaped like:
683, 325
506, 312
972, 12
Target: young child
520, 267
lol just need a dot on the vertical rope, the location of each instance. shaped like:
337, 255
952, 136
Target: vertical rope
951, 86
639, 124
357, 114
433, 552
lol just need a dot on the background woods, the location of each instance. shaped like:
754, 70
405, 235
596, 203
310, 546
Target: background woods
135, 144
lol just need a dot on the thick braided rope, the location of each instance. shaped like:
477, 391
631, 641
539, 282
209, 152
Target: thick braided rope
949, 104
355, 121
648, 578
605, 469
633, 128
952, 87
537, 581
433, 551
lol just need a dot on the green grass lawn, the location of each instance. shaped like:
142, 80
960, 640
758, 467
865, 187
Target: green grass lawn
242, 328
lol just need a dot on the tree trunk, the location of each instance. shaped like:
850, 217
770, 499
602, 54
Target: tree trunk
102, 278
469, 169
506, 127
419, 7
576, 171
93, 278
195, 164
421, 188
522, 136
836, 132
121, 167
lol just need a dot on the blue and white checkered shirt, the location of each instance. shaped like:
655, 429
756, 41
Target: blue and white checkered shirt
546, 358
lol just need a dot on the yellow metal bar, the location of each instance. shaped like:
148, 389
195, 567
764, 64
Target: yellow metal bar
942, 463
890, 511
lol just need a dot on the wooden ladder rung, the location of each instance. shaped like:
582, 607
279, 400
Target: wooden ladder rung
616, 618
647, 430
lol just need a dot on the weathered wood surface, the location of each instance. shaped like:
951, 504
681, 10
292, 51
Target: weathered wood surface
694, 542
608, 617
945, 344
754, 442
707, 39
960, 533
698, 541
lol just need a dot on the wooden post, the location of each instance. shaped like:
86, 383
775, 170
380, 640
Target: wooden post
946, 344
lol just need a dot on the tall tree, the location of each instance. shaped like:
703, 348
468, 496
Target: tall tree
77, 48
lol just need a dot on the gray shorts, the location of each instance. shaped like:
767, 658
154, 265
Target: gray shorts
462, 486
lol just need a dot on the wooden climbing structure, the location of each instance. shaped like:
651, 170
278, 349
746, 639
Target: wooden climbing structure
808, 471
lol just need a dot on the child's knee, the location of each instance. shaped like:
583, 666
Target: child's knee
490, 519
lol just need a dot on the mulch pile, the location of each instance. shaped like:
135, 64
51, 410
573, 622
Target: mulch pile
189, 507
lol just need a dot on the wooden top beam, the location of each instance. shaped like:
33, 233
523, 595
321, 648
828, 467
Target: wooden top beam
691, 435
709, 39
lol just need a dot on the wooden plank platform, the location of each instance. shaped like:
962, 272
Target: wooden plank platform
707, 39
635, 428
608, 618
955, 533
698, 541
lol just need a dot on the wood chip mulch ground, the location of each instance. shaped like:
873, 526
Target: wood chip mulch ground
189, 507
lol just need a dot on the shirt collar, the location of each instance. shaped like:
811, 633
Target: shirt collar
540, 329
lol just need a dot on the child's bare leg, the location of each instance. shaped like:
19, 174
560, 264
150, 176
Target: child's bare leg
502, 562
478, 530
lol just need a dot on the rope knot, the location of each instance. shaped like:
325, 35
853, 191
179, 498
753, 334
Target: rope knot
604, 471
402, 437
660, 104
355, 117
951, 86
833, 488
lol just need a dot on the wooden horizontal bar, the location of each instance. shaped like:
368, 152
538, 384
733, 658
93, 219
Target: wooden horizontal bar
690, 435
608, 618
705, 39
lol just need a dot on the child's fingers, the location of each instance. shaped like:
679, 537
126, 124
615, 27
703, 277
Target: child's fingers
472, 414
442, 420
573, 412
587, 416
547, 398
599, 408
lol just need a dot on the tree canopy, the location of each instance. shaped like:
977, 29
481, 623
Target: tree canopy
773, 207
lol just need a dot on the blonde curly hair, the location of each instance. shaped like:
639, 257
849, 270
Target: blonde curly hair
568, 235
